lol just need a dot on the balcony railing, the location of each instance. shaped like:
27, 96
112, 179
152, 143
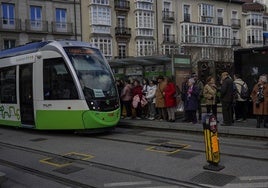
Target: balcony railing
258, 42
236, 42
168, 16
36, 26
168, 38
7, 24
62, 28
235, 23
122, 32
122, 5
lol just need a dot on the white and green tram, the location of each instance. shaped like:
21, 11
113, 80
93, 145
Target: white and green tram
57, 85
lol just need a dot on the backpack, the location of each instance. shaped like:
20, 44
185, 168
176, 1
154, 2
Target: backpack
244, 94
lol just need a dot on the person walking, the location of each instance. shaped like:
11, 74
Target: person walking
259, 97
170, 99
150, 96
126, 98
210, 95
191, 103
240, 108
226, 91
160, 98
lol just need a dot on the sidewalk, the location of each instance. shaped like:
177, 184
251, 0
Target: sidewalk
247, 128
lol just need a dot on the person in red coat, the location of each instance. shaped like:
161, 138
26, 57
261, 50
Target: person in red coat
137, 91
170, 99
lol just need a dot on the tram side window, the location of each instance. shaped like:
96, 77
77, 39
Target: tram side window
58, 82
8, 85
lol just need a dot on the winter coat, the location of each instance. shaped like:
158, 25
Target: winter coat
238, 84
227, 90
209, 94
126, 94
262, 108
169, 93
191, 102
137, 90
159, 95
150, 95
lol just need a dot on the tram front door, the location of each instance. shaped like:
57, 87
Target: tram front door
26, 95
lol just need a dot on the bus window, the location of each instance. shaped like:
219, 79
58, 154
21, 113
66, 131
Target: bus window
58, 82
8, 85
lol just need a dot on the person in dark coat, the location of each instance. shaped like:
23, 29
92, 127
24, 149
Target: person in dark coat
227, 91
191, 103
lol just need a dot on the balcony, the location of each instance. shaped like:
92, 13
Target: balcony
122, 5
168, 16
205, 40
36, 26
168, 38
235, 23
13, 25
63, 28
122, 33
252, 22
236, 42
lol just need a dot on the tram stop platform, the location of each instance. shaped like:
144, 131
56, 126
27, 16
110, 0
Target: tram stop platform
240, 129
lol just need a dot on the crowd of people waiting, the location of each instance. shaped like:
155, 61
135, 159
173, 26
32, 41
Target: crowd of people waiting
159, 99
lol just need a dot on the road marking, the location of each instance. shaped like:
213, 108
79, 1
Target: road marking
118, 184
251, 178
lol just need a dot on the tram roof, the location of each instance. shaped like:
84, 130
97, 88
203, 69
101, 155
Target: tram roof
20, 50
141, 61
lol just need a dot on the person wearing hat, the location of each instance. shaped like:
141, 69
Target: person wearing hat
259, 97
226, 91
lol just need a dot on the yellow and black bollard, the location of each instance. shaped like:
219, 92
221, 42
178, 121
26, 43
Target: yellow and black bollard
212, 143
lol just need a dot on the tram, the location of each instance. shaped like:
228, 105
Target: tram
57, 85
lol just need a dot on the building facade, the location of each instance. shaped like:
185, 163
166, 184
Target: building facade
24, 21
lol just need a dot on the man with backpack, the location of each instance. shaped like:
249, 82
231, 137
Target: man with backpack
241, 105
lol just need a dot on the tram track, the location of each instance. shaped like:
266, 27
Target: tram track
73, 183
187, 148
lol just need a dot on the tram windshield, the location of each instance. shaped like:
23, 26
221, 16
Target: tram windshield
93, 72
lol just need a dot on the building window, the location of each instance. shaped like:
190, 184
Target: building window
220, 16
8, 85
104, 44
206, 13
254, 20
101, 15
145, 47
122, 50
254, 36
100, 2
148, 5
8, 15
186, 13
144, 19
9, 44
35, 16
61, 19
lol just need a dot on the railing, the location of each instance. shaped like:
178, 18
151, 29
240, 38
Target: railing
235, 23
168, 15
7, 24
168, 38
236, 42
62, 28
122, 31
122, 5
36, 26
